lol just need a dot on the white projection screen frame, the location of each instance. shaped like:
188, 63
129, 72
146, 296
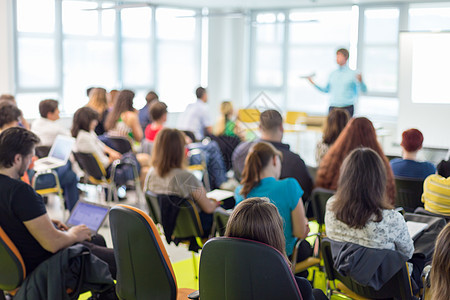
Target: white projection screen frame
424, 86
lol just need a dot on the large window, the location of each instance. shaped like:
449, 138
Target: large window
64, 47
314, 37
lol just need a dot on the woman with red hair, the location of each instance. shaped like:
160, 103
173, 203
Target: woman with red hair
359, 132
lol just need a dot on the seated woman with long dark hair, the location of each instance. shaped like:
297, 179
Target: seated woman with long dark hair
257, 219
260, 178
85, 120
336, 121
123, 119
169, 177
360, 212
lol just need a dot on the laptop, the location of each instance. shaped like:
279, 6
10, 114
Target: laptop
88, 213
58, 156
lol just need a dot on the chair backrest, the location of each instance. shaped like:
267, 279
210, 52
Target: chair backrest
90, 165
312, 172
144, 270
120, 144
249, 115
188, 222
42, 151
12, 267
319, 198
146, 146
399, 286
153, 206
409, 193
232, 268
221, 217
423, 211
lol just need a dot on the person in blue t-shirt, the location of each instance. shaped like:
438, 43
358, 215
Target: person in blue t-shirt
343, 84
408, 166
260, 178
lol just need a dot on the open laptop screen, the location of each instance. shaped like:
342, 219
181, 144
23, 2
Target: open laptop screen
90, 214
62, 148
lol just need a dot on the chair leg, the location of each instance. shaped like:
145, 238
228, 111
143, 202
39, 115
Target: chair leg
194, 259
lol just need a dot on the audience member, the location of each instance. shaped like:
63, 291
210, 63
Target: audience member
359, 212
144, 117
359, 132
168, 176
408, 166
123, 119
111, 98
259, 220
436, 192
47, 126
196, 117
9, 115
225, 125
98, 102
22, 212
336, 121
158, 114
271, 127
84, 122
10, 98
260, 178
440, 267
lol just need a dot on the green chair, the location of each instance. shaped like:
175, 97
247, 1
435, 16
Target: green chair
12, 267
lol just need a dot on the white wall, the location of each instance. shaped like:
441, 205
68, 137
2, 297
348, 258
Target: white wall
227, 62
6, 58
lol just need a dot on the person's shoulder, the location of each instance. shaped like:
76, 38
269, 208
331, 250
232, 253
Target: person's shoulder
396, 161
289, 182
392, 216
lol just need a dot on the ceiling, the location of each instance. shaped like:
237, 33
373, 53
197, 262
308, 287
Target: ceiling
261, 4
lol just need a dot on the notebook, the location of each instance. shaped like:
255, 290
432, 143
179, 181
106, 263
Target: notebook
219, 195
58, 156
415, 228
90, 214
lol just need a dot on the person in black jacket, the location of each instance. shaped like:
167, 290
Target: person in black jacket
271, 127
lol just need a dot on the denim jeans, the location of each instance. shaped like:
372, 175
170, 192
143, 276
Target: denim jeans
68, 181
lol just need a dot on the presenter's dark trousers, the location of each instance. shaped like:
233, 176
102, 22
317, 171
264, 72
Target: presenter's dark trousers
349, 108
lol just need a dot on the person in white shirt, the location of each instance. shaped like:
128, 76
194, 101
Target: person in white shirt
48, 127
196, 117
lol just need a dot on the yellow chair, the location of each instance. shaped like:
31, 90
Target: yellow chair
249, 115
295, 117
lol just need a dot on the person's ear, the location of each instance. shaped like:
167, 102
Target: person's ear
17, 158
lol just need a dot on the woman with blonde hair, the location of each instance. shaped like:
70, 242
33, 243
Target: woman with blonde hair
225, 125
260, 178
440, 267
259, 220
98, 102
168, 175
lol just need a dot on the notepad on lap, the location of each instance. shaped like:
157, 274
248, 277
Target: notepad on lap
415, 228
220, 195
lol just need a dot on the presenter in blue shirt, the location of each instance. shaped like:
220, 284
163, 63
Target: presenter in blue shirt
343, 84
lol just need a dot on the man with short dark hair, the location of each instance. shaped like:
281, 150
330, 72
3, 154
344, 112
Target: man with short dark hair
196, 118
47, 127
271, 127
343, 84
22, 212
9, 115
144, 113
